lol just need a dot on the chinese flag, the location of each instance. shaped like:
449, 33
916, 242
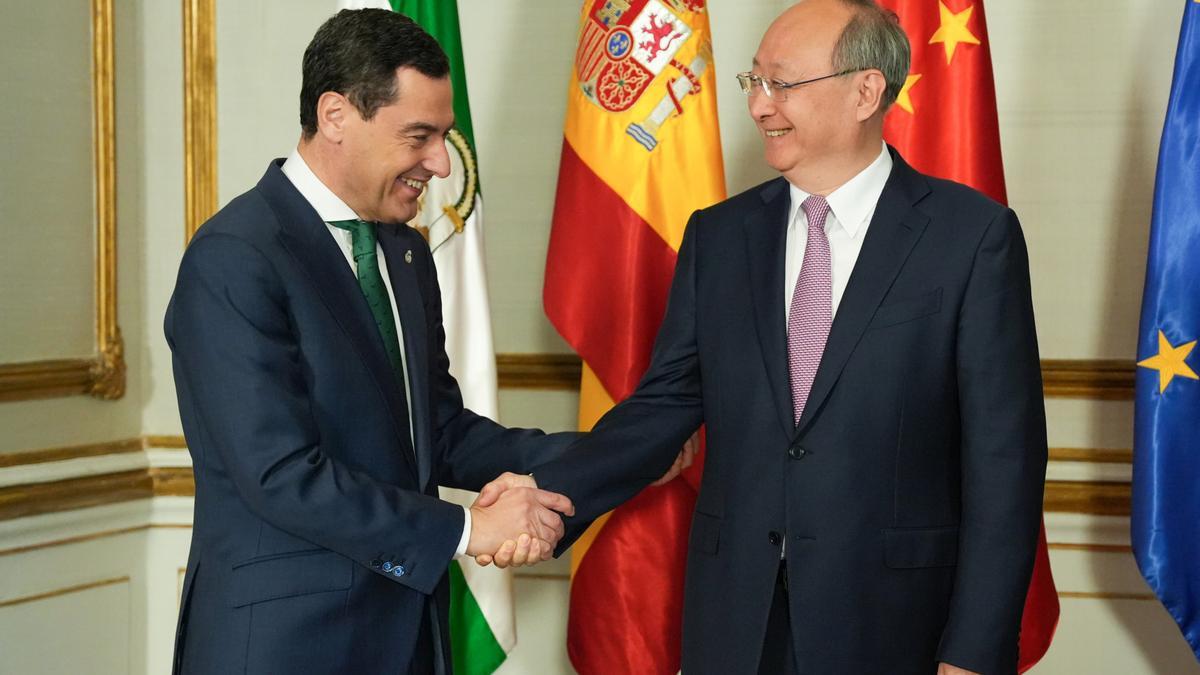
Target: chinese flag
944, 123
641, 151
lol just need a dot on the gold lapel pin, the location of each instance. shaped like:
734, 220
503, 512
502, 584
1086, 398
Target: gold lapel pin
408, 256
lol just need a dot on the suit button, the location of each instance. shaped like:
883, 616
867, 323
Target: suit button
398, 571
797, 452
775, 538
387, 566
375, 564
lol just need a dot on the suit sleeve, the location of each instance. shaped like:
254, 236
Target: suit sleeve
236, 355
473, 449
635, 442
1003, 454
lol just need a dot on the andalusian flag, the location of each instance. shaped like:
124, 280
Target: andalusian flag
641, 152
945, 124
482, 622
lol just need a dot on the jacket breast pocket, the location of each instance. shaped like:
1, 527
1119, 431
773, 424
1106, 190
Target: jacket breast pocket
911, 548
907, 309
287, 575
706, 533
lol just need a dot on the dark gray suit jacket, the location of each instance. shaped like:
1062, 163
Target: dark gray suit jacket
319, 543
910, 493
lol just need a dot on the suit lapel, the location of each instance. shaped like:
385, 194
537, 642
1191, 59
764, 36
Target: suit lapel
895, 229
411, 306
307, 238
766, 236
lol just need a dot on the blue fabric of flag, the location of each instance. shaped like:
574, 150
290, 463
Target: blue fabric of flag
1166, 463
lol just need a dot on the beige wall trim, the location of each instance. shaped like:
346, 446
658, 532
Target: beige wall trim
64, 591
103, 375
1062, 378
539, 371
93, 536
199, 113
1096, 379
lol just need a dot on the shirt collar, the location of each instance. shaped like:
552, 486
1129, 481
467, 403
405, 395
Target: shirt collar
328, 206
854, 201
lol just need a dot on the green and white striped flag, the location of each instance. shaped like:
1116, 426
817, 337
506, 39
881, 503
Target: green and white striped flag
482, 620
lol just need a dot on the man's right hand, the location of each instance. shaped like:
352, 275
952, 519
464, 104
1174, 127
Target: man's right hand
519, 525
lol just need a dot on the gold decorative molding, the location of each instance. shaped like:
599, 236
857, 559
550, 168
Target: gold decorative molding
166, 442
539, 371
1088, 497
17, 501
71, 452
1092, 455
1091, 548
199, 113
1095, 379
1061, 378
1090, 595
103, 375
64, 591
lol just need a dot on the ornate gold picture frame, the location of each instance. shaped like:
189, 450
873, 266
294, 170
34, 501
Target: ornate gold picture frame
102, 375
199, 113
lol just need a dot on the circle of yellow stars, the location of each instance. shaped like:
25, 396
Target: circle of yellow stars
952, 32
1170, 361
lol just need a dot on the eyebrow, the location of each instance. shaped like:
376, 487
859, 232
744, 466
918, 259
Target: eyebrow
425, 127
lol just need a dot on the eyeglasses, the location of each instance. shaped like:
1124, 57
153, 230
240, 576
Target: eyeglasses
775, 90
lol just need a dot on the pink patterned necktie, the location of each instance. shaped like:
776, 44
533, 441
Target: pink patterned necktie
811, 312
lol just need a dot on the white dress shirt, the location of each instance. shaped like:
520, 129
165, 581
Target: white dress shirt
331, 208
851, 207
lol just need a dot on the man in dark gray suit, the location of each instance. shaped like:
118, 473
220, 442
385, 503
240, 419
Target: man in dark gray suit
859, 340
313, 383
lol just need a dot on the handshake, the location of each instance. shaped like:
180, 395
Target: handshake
513, 522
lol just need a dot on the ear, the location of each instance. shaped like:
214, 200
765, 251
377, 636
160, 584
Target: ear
334, 112
870, 89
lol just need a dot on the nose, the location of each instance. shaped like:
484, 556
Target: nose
438, 160
761, 106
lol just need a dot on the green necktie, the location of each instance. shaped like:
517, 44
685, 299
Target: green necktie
371, 281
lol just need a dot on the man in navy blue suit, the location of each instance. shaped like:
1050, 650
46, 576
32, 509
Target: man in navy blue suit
313, 384
858, 339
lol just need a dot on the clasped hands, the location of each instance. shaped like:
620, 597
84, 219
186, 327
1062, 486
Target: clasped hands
513, 522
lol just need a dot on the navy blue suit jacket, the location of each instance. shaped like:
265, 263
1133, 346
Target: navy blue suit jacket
319, 543
909, 495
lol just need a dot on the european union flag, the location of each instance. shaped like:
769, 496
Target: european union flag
1166, 459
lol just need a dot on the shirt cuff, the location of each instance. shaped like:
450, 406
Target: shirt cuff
466, 534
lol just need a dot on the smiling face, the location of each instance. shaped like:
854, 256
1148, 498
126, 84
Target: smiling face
384, 163
818, 122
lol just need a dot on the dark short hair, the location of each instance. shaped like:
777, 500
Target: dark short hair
356, 53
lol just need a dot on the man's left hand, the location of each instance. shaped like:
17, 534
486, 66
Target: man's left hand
947, 669
683, 461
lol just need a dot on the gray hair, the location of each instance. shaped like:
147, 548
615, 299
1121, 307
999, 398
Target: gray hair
874, 39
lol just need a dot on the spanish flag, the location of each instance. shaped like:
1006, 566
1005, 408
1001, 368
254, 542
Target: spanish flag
641, 151
944, 123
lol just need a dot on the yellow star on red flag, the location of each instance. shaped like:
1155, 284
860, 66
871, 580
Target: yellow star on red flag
903, 99
953, 30
1170, 361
